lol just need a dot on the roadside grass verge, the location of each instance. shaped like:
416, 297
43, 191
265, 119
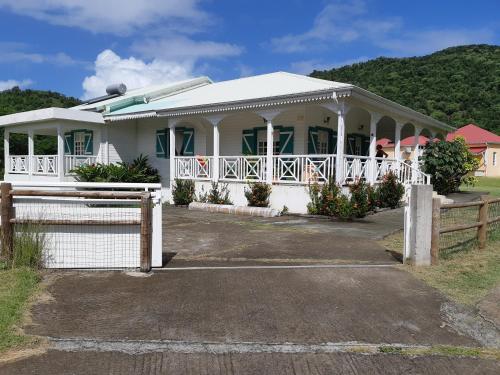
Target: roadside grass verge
489, 184
16, 287
465, 276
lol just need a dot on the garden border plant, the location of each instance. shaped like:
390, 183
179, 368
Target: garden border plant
258, 194
218, 194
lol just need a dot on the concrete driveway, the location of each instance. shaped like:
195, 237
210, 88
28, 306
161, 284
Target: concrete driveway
193, 238
234, 300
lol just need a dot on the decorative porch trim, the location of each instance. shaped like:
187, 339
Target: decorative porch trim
259, 103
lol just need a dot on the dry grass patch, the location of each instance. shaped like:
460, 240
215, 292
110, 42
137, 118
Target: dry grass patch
465, 277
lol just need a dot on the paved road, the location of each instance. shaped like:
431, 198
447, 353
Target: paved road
261, 320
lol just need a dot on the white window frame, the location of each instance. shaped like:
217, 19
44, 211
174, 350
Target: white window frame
79, 143
494, 159
262, 142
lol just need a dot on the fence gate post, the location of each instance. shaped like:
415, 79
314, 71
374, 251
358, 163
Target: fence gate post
420, 226
146, 232
482, 230
6, 214
436, 226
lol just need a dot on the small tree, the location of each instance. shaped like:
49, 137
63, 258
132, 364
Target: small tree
450, 164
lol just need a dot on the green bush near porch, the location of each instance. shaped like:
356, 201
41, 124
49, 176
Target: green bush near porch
183, 192
139, 171
258, 194
218, 194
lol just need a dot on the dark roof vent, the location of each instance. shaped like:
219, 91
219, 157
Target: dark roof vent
116, 89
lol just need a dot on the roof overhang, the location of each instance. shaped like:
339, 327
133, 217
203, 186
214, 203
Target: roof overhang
398, 109
51, 114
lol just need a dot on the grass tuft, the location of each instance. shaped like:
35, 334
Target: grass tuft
16, 287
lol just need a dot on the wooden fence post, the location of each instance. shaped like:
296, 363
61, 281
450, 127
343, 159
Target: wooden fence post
482, 230
436, 226
6, 214
146, 232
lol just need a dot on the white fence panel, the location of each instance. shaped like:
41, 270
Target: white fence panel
104, 245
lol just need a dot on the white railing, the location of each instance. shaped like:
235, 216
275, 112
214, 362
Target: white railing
303, 169
356, 168
242, 168
196, 168
384, 166
45, 164
408, 174
298, 169
74, 161
18, 164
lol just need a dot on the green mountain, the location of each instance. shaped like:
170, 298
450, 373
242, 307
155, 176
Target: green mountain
17, 100
458, 85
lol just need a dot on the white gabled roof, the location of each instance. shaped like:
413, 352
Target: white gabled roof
265, 86
47, 114
145, 95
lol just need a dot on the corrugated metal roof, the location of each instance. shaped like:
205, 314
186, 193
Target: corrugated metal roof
473, 134
236, 90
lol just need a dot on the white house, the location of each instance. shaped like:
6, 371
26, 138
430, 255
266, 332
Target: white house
281, 128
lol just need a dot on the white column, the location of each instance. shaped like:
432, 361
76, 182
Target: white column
374, 119
215, 160
106, 143
269, 154
6, 151
339, 161
416, 146
215, 121
172, 153
31, 152
60, 153
397, 141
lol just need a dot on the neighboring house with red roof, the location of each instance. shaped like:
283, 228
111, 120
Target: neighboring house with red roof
482, 143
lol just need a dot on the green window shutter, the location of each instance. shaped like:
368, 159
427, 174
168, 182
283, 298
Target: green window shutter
188, 142
249, 142
89, 142
69, 145
162, 144
286, 140
312, 140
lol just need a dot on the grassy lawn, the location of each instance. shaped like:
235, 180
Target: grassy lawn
16, 287
465, 277
491, 184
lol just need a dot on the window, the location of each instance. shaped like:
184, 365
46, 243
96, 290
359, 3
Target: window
323, 138
262, 142
79, 143
494, 159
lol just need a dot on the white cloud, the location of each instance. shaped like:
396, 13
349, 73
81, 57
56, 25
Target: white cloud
338, 22
135, 73
19, 52
349, 21
109, 16
6, 85
181, 48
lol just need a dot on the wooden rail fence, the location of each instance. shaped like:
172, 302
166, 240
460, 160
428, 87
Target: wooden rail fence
481, 225
8, 219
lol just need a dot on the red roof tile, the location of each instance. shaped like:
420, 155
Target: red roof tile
473, 134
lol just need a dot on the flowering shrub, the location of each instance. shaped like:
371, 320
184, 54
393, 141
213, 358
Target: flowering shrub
258, 194
218, 194
359, 198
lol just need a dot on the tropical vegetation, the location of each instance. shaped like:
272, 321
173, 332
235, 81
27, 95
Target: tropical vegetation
458, 85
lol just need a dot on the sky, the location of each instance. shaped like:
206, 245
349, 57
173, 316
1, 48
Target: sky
78, 47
